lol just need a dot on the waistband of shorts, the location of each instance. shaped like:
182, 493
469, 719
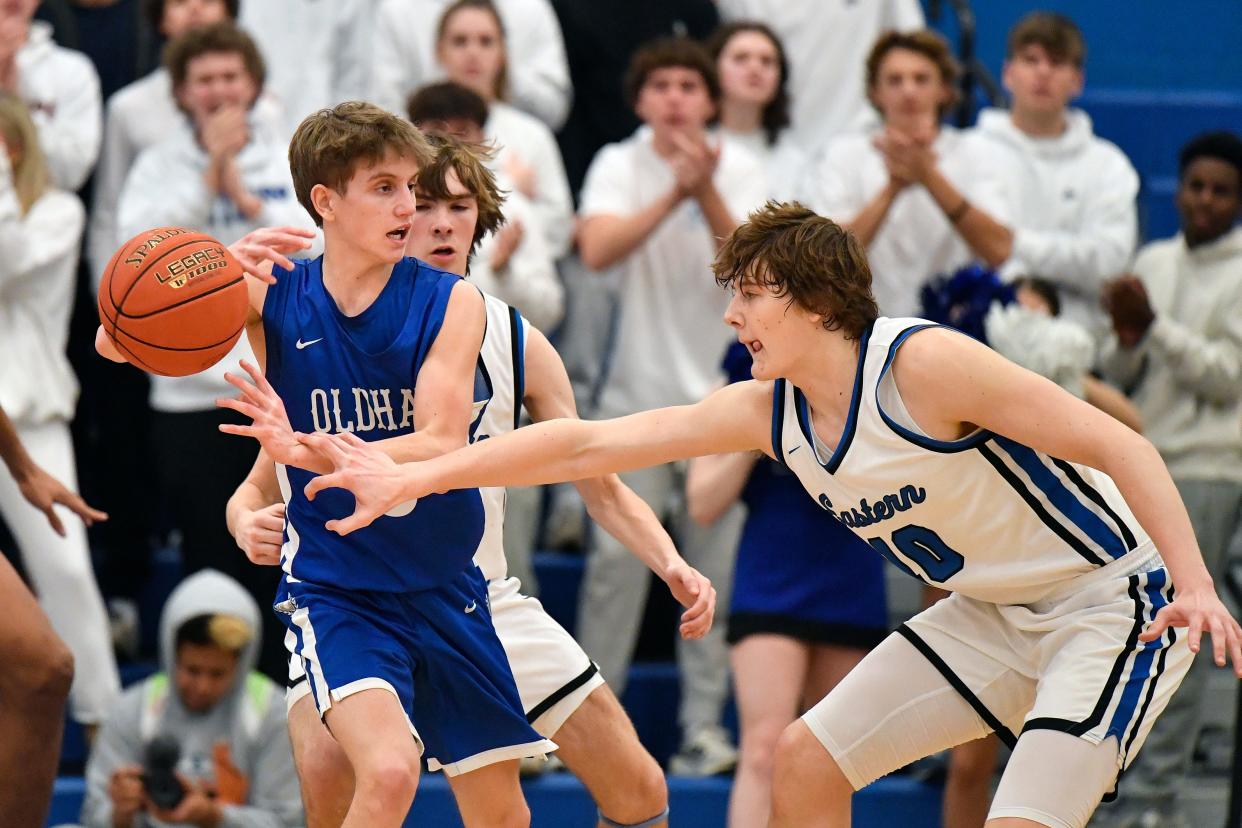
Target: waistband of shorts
1143, 558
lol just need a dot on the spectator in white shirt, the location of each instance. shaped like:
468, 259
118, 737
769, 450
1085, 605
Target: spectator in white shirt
921, 196
40, 232
405, 55
471, 49
754, 101
1072, 194
60, 88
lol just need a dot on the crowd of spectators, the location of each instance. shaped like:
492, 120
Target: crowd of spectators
630, 140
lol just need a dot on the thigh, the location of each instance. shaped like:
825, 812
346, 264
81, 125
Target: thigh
895, 707
26, 638
552, 673
1055, 779
769, 673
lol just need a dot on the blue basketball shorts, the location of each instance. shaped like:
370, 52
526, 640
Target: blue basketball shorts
435, 650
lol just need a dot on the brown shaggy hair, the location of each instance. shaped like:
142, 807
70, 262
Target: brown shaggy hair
469, 161
925, 42
797, 253
1060, 37
218, 37
330, 144
665, 53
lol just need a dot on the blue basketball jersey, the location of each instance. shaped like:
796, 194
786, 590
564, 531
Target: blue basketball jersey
338, 373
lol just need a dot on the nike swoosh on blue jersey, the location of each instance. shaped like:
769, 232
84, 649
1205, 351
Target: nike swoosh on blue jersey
473, 606
300, 344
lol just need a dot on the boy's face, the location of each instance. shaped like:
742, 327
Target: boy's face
909, 87
1040, 84
376, 208
180, 16
443, 228
675, 99
214, 81
771, 327
1209, 199
203, 675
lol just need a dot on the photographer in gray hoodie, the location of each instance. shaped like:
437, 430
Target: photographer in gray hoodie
235, 763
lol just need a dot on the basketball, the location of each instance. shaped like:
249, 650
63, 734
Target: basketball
173, 301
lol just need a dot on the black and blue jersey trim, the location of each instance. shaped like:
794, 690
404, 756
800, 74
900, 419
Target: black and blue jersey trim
517, 341
778, 420
851, 420
1038, 508
1095, 497
922, 441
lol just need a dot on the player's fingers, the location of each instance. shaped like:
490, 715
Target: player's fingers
270, 522
1156, 628
350, 524
1194, 634
260, 381
1235, 648
240, 406
247, 390
79, 507
321, 482
241, 431
350, 439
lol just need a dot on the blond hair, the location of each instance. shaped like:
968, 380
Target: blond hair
228, 632
30, 176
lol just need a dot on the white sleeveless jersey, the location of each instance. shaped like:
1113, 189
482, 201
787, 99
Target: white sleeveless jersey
984, 515
502, 363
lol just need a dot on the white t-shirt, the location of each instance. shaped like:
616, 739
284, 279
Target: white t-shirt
513, 131
786, 164
405, 55
670, 331
827, 42
916, 240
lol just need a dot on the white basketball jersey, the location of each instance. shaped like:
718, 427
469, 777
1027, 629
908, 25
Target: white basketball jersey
501, 360
984, 515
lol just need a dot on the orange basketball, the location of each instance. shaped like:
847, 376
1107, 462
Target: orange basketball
173, 301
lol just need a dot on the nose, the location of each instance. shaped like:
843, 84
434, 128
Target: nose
732, 314
404, 208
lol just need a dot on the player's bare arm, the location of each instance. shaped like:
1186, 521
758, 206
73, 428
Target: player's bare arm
255, 514
443, 397
736, 418
951, 383
611, 503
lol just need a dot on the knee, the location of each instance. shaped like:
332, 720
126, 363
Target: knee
644, 795
45, 681
802, 769
389, 779
972, 764
758, 750
325, 771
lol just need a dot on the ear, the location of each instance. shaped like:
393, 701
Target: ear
1081, 81
1005, 76
324, 199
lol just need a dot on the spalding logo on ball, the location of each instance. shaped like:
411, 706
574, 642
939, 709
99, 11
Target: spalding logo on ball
173, 301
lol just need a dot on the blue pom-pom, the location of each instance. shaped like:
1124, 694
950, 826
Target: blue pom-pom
961, 300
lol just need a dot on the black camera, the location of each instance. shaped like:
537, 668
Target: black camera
158, 772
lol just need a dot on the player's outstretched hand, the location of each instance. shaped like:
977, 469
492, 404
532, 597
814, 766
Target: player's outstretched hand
269, 244
44, 491
374, 478
1202, 612
694, 591
260, 402
260, 534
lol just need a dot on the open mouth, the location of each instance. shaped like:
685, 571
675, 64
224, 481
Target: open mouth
754, 346
444, 251
399, 234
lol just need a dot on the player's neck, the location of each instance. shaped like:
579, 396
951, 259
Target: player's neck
825, 372
352, 278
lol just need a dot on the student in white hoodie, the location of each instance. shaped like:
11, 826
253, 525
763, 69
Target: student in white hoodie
40, 230
60, 88
1176, 347
222, 172
1072, 193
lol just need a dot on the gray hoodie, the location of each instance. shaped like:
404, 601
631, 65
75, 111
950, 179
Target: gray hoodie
251, 718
